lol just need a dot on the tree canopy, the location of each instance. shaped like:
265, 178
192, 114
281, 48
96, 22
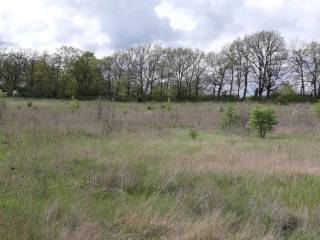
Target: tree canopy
259, 64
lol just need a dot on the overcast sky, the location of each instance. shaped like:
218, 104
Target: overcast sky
105, 25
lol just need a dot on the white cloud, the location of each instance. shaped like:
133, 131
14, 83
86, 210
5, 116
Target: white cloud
268, 4
92, 32
39, 24
179, 18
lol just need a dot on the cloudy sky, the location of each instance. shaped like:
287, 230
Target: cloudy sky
105, 25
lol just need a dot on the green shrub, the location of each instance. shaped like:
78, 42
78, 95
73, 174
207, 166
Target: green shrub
29, 104
286, 94
230, 118
193, 134
75, 105
317, 107
262, 119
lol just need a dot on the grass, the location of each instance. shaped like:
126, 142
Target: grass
160, 174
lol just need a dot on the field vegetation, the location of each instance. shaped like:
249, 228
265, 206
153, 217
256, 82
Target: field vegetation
108, 170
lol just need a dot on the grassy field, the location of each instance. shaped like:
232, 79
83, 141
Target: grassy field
155, 171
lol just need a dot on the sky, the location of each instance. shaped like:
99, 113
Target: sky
104, 26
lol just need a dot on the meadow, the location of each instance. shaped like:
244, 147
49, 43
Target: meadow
110, 170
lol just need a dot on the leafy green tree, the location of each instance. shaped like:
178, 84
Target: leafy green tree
87, 73
262, 119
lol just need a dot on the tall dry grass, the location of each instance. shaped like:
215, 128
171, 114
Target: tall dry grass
64, 176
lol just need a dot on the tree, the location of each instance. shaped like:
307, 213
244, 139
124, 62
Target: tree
262, 119
117, 72
312, 63
266, 52
2, 62
257, 63
86, 71
29, 69
63, 62
12, 70
217, 66
298, 69
199, 68
241, 66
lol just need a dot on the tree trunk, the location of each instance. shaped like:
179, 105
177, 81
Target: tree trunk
214, 93
219, 91
245, 86
231, 84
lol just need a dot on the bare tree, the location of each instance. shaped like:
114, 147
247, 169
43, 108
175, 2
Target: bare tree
241, 68
312, 64
199, 71
297, 66
217, 66
266, 52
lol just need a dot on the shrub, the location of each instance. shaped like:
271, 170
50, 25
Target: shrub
286, 94
317, 107
193, 134
75, 105
29, 104
262, 119
230, 118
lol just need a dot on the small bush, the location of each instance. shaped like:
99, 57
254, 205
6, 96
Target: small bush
149, 107
262, 119
75, 105
317, 107
286, 94
29, 104
193, 134
230, 118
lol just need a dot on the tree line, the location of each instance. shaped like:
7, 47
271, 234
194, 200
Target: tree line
255, 65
